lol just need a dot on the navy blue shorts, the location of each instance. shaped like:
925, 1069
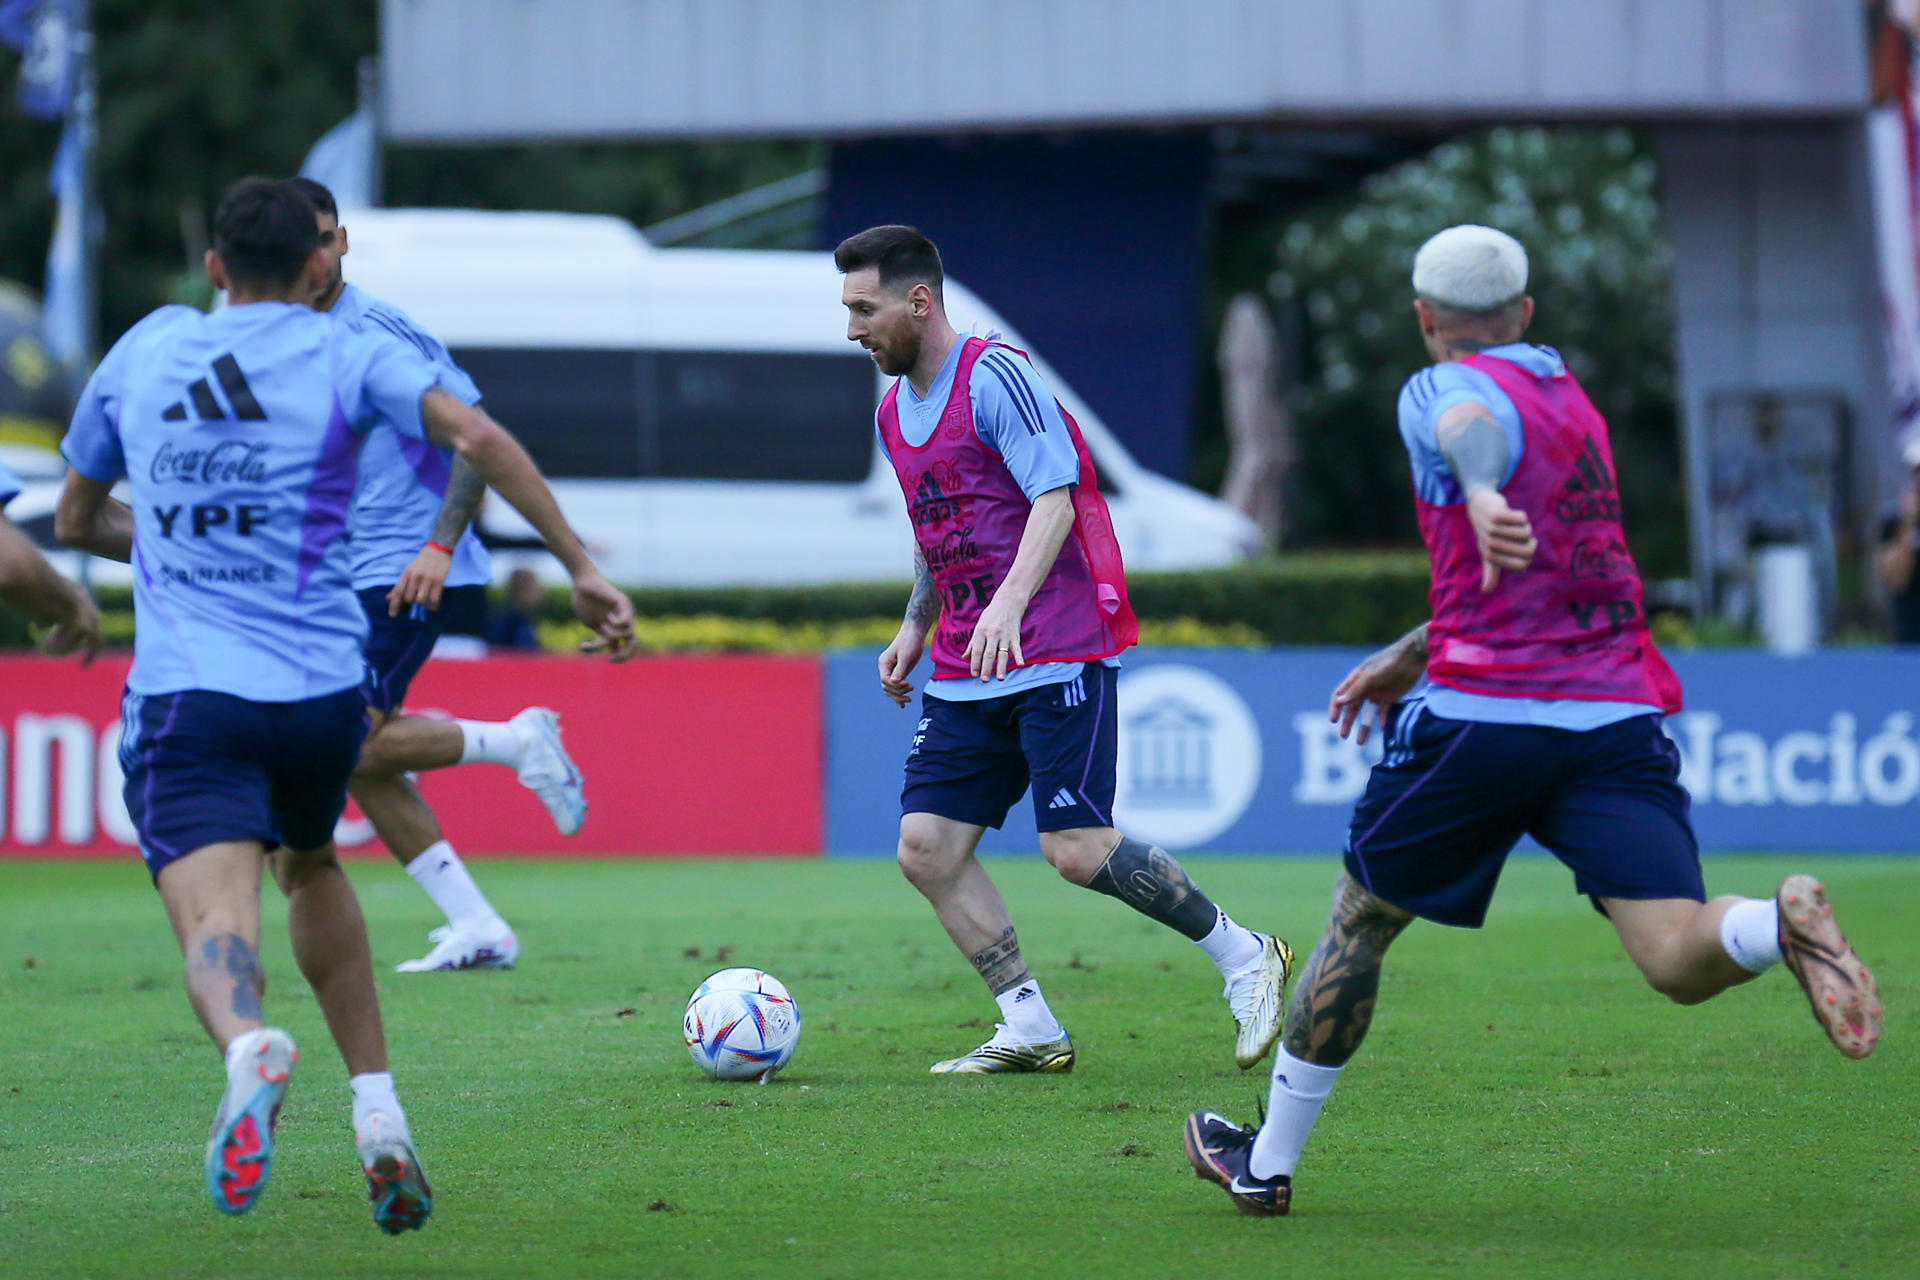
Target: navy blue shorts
971, 760
206, 767
1449, 800
398, 647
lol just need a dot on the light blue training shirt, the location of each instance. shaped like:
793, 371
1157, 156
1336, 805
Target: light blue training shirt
1018, 418
403, 479
239, 434
9, 485
1426, 396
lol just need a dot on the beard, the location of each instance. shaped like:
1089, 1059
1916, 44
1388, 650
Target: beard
898, 357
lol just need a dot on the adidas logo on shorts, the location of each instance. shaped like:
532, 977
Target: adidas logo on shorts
1061, 800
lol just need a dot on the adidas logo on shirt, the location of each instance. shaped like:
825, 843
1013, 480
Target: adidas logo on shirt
207, 405
1591, 493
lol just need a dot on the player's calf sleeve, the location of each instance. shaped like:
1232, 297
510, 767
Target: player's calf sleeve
1750, 932
1147, 878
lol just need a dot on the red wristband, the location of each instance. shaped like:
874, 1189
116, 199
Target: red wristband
441, 547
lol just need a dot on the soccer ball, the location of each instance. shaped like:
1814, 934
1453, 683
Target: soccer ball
742, 1024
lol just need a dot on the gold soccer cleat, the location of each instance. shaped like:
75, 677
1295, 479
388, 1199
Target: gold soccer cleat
1008, 1052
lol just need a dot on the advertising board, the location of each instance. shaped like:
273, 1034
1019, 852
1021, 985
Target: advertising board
1232, 751
681, 755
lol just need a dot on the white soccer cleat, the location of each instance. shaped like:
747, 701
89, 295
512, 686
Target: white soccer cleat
548, 771
1257, 994
488, 946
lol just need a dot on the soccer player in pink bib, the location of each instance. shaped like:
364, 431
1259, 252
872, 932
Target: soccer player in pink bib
1540, 716
1017, 560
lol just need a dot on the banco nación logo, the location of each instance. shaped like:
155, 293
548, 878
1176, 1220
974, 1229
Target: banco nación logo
1189, 755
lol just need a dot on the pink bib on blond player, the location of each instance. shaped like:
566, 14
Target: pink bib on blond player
1572, 625
968, 515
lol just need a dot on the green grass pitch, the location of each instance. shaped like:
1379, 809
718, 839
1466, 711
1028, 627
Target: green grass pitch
1525, 1107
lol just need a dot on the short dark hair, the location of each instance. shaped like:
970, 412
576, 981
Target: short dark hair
904, 256
264, 231
317, 196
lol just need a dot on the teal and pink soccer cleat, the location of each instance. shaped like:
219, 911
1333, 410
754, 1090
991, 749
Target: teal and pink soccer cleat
240, 1149
396, 1184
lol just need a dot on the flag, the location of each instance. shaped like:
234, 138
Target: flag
63, 316
43, 32
342, 161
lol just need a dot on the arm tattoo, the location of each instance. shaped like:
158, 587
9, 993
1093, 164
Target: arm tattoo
1476, 451
1001, 963
1333, 998
923, 606
465, 488
1414, 643
230, 955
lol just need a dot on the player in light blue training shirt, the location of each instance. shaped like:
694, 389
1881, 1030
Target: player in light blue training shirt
238, 435
416, 560
242, 578
403, 481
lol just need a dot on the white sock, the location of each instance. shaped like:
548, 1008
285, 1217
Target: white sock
1027, 1014
373, 1091
441, 873
1298, 1092
1231, 946
1750, 931
489, 742
241, 1044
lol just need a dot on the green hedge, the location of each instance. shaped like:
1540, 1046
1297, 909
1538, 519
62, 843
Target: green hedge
1349, 598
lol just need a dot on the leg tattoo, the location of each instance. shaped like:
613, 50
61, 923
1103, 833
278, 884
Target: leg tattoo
1147, 878
230, 954
1001, 963
1333, 998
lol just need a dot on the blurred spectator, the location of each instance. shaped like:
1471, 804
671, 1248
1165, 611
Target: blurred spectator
1781, 483
1776, 486
1261, 452
1899, 547
515, 624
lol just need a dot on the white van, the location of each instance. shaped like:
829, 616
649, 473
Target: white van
700, 412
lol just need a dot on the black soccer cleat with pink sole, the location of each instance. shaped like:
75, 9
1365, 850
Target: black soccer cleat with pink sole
1221, 1151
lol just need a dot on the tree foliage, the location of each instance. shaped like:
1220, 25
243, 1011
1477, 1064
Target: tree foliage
1585, 203
193, 93
196, 93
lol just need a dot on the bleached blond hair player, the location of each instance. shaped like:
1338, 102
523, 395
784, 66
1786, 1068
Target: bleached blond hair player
1471, 268
1539, 715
